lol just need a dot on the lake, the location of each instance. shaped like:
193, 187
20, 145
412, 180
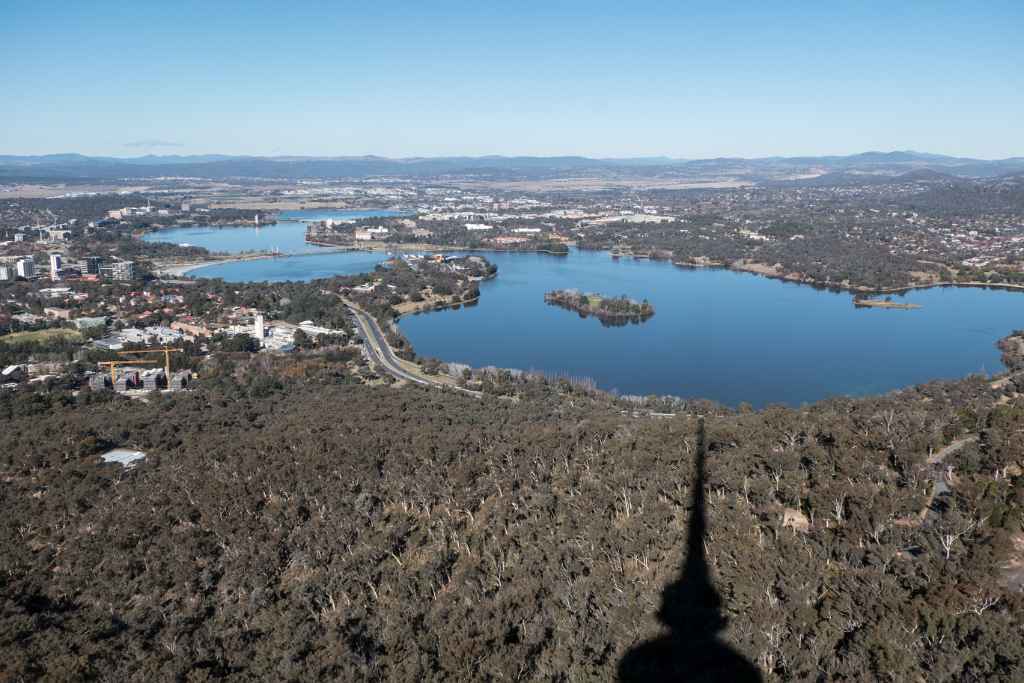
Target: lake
288, 235
717, 334
305, 267
731, 337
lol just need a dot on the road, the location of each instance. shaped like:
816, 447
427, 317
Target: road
940, 474
383, 356
940, 484
938, 456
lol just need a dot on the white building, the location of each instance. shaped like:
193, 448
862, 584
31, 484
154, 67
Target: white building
131, 335
26, 268
55, 292
259, 329
7, 272
55, 266
163, 335
312, 330
157, 333
478, 226
377, 233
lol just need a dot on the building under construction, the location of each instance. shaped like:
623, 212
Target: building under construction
153, 379
129, 379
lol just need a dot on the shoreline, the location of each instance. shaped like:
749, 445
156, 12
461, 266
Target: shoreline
241, 223
428, 246
765, 271
398, 315
181, 269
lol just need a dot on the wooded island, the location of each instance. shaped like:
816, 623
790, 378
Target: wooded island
609, 310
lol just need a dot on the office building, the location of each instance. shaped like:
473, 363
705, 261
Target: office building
26, 268
91, 265
55, 266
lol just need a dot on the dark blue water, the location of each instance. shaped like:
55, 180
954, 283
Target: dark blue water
730, 337
288, 235
727, 336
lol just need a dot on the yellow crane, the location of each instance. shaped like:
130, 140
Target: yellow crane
114, 363
167, 358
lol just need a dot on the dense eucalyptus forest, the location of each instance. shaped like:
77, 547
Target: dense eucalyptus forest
290, 523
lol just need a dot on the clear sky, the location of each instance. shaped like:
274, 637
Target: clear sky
445, 78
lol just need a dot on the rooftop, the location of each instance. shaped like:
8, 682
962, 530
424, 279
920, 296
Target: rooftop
123, 456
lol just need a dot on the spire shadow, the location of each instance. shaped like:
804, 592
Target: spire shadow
691, 610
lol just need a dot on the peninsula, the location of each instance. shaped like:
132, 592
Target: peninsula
609, 310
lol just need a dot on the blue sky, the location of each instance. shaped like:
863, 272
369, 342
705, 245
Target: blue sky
444, 78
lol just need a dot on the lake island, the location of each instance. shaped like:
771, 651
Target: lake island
609, 310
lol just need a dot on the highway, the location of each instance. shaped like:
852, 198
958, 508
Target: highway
383, 356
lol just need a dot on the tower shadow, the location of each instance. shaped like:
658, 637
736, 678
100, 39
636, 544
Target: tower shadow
691, 609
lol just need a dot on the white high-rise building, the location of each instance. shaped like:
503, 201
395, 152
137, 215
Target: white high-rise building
26, 268
55, 266
259, 330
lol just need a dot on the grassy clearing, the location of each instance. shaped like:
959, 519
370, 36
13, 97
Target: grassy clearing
41, 336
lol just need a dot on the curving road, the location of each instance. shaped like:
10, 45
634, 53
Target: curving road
383, 356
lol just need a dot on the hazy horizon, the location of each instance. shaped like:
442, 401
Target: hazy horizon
596, 157
577, 79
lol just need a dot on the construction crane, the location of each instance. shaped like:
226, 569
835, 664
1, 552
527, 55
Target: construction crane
167, 357
114, 363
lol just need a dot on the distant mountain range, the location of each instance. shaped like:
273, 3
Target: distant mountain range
854, 168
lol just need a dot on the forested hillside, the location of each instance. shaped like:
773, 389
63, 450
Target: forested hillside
287, 529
